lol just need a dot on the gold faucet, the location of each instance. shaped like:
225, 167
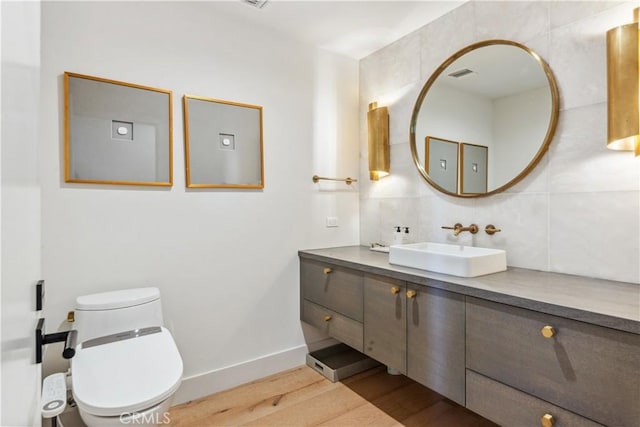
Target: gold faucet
491, 229
458, 228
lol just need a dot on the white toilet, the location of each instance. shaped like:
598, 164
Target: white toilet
127, 367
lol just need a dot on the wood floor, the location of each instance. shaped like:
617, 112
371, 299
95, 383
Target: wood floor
302, 397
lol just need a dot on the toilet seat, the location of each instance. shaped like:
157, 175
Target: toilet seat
122, 374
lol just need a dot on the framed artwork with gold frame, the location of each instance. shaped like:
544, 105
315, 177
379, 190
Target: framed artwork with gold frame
223, 144
441, 162
474, 168
116, 132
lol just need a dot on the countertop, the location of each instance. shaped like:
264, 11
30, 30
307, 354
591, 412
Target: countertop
605, 303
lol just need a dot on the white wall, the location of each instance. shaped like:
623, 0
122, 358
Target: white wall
20, 220
578, 211
225, 261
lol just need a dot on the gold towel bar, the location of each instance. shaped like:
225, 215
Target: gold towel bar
348, 180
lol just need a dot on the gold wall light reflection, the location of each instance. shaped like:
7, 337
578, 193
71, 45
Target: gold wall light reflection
623, 75
378, 125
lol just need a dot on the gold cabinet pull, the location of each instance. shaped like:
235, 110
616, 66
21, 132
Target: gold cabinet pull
327, 318
411, 294
547, 420
395, 290
327, 270
548, 331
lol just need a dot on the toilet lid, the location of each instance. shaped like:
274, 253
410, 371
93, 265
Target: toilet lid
126, 372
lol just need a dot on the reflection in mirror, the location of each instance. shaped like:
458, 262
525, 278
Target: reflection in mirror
116, 132
473, 168
223, 144
501, 100
441, 162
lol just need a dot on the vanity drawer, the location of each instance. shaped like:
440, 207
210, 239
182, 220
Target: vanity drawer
333, 324
337, 288
587, 369
507, 406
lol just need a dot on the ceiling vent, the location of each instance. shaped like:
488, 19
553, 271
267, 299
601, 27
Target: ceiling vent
257, 3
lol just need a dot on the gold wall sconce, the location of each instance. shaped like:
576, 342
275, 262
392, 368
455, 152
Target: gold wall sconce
623, 75
378, 124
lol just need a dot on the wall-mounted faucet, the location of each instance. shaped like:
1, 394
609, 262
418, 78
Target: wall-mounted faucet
458, 228
491, 229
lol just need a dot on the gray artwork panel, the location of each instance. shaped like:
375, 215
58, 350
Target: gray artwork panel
98, 152
443, 163
474, 169
224, 144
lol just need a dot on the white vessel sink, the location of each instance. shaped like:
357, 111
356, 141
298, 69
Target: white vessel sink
462, 261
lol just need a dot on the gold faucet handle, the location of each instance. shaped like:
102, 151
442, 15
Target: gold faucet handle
456, 226
491, 229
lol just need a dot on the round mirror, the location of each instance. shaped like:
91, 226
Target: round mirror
484, 119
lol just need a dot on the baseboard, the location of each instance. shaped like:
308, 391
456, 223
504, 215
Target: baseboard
201, 385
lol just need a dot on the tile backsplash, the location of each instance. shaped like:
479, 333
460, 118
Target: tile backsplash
578, 211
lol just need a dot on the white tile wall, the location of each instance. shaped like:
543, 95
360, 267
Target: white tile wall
578, 212
595, 234
513, 20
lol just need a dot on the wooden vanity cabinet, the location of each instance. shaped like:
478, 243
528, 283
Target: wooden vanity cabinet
507, 406
416, 330
334, 287
436, 340
515, 366
385, 319
334, 324
587, 369
332, 300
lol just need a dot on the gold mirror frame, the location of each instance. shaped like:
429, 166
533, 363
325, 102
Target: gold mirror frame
555, 108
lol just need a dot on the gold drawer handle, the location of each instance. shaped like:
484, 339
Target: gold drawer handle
395, 290
548, 331
327, 270
547, 420
327, 318
411, 294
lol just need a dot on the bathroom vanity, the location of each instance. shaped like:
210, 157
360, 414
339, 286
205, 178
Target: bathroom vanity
520, 347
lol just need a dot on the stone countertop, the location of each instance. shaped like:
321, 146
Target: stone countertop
601, 302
